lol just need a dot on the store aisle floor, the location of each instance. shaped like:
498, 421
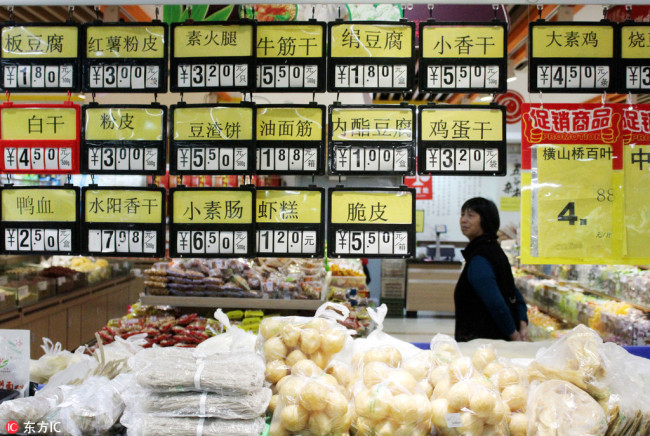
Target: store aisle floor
420, 329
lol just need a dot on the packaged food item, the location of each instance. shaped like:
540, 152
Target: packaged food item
147, 425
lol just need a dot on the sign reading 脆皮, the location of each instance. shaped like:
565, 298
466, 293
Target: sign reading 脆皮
570, 57
371, 222
120, 221
462, 140
211, 222
125, 56
40, 57
634, 39
35, 220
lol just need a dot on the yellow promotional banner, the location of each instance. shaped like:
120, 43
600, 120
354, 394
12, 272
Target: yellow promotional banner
46, 42
355, 40
462, 125
419, 221
634, 42
367, 207
216, 40
574, 41
463, 42
41, 205
124, 206
636, 167
509, 204
289, 41
213, 123
125, 42
394, 124
213, 207
296, 207
124, 124
289, 124
39, 123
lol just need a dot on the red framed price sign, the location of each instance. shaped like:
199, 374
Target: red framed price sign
40, 138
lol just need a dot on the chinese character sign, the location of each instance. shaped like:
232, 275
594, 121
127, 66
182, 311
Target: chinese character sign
125, 42
634, 39
286, 123
42, 205
211, 206
213, 123
288, 206
123, 206
371, 124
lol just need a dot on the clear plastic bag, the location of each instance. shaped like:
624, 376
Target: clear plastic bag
54, 360
233, 339
28, 409
146, 425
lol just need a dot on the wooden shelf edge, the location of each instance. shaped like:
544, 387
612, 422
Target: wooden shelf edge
241, 303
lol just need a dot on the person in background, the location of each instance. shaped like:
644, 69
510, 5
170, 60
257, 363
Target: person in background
488, 304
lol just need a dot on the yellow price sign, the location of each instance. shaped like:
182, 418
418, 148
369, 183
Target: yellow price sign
462, 42
123, 206
289, 124
637, 208
355, 40
39, 123
215, 40
462, 125
294, 207
125, 42
218, 123
395, 124
45, 42
124, 124
574, 41
419, 221
209, 206
634, 42
367, 207
290, 41
39, 205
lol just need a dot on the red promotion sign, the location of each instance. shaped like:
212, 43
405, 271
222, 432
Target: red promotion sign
423, 186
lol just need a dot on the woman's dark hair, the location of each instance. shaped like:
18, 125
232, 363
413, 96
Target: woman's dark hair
488, 212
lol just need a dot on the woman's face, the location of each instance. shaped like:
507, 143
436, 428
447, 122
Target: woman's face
470, 224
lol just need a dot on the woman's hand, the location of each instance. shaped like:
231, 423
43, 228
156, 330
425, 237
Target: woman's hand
515, 336
523, 330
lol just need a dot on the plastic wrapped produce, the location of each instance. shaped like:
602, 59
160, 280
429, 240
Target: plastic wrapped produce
28, 409
54, 360
146, 425
233, 338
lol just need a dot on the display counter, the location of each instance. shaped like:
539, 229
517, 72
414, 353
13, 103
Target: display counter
430, 286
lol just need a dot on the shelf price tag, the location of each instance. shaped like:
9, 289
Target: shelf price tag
36, 220
40, 57
289, 222
463, 57
290, 139
212, 139
125, 56
371, 56
571, 57
462, 140
371, 222
209, 56
634, 64
369, 140
124, 139
212, 222
40, 139
291, 56
124, 222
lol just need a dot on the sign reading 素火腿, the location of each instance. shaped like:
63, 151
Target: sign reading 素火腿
36, 220
125, 56
119, 221
634, 40
212, 222
40, 57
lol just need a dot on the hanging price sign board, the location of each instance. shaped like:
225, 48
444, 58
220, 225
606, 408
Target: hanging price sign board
371, 222
40, 57
634, 76
462, 140
124, 139
209, 56
289, 222
463, 57
291, 56
40, 139
211, 222
571, 57
371, 56
212, 139
36, 220
372, 139
125, 56
572, 198
290, 139
123, 222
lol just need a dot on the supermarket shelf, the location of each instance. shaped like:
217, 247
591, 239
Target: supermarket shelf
230, 303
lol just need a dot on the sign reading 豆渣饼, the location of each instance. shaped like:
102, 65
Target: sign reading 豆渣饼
40, 57
570, 57
209, 56
212, 222
289, 222
371, 139
125, 56
42, 138
290, 139
634, 60
212, 139
124, 139
462, 140
463, 57
120, 221
291, 56
371, 222
371, 56
35, 220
